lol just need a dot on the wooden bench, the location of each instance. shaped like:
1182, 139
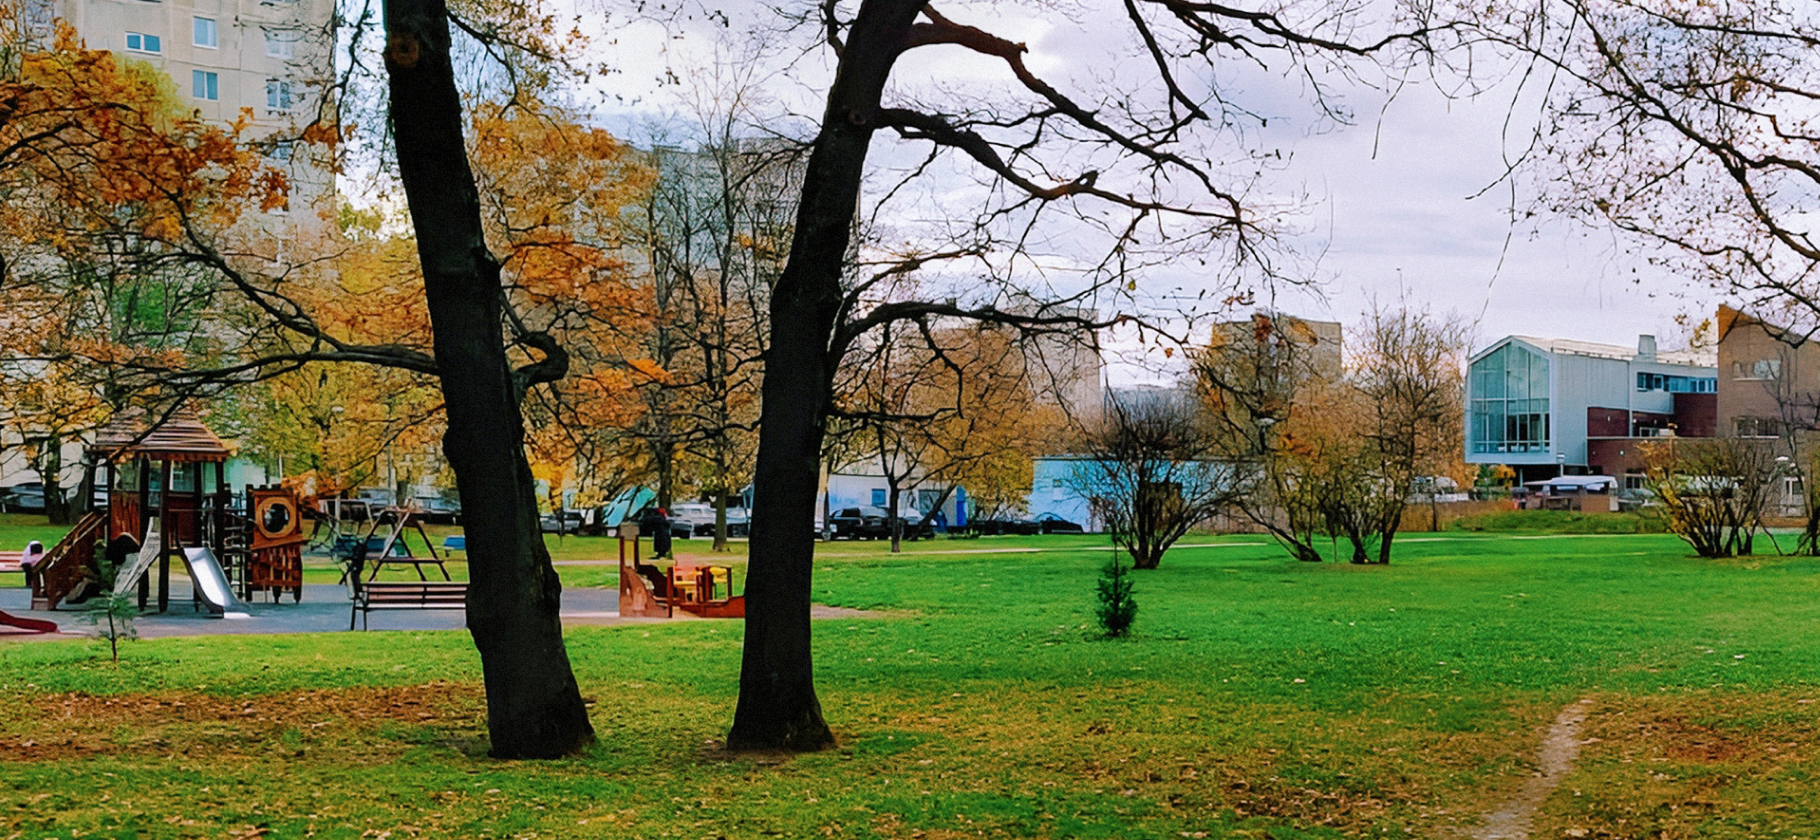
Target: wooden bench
418, 595
9, 561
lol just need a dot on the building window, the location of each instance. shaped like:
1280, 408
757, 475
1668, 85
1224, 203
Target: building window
277, 94
1754, 427
1760, 369
1509, 394
205, 33
279, 43
141, 42
878, 497
205, 85
1676, 384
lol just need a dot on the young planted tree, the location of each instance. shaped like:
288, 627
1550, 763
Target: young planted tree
712, 231
1335, 449
943, 404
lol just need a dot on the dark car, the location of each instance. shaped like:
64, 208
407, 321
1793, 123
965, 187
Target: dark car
1003, 525
679, 529
1042, 523
857, 523
23, 498
439, 509
1049, 523
873, 523
918, 528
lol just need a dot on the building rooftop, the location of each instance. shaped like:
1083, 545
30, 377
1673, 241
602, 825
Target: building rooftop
1692, 358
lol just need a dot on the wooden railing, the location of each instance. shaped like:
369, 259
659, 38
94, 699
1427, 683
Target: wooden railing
68, 562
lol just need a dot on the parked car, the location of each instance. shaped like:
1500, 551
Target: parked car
873, 523
700, 518
1042, 523
1049, 523
23, 498
439, 509
563, 522
1001, 525
857, 523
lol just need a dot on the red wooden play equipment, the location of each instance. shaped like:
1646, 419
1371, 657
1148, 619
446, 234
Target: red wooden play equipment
30, 625
171, 478
647, 591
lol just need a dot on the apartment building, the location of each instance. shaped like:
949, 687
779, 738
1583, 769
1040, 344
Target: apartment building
271, 59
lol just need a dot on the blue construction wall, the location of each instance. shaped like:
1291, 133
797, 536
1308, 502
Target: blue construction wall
1052, 491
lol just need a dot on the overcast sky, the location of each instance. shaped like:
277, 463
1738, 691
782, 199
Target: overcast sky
1391, 207
1403, 220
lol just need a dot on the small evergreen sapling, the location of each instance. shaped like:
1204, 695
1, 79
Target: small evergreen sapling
1117, 609
112, 614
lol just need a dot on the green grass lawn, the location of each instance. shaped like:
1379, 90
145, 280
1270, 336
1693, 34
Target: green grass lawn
1259, 698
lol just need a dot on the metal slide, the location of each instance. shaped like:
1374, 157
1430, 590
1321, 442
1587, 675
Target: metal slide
212, 584
136, 566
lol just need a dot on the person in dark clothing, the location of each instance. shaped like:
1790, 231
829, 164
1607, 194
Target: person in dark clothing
656, 523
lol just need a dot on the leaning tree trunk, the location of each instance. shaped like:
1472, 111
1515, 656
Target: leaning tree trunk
50, 470
534, 708
777, 707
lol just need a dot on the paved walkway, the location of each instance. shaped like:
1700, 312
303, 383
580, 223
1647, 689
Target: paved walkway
324, 609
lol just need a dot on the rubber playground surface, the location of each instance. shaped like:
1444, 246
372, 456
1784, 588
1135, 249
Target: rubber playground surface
325, 608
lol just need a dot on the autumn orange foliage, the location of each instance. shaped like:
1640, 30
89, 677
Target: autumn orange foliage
107, 189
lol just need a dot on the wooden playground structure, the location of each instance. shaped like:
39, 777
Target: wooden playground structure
648, 591
166, 486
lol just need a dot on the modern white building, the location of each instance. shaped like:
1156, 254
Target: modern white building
1535, 403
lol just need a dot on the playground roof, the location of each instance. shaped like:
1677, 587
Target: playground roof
180, 437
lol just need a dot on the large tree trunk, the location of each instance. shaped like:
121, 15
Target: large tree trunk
777, 704
49, 465
894, 523
1384, 541
534, 708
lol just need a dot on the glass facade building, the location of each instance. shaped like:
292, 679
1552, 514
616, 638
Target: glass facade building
1509, 402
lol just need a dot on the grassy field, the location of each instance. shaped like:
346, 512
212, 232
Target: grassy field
1260, 698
